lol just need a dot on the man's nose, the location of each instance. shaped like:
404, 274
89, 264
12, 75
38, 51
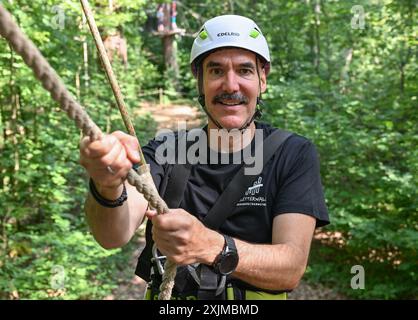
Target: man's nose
230, 83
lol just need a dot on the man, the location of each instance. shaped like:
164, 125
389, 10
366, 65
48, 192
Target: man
261, 249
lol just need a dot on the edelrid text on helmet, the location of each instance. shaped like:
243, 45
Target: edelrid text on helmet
230, 31
222, 34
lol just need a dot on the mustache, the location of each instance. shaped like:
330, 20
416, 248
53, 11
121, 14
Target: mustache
231, 96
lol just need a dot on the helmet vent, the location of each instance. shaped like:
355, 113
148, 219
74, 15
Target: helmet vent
254, 33
203, 34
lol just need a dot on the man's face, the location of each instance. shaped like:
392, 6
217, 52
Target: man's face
231, 86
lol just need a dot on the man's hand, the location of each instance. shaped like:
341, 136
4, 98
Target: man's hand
109, 160
183, 238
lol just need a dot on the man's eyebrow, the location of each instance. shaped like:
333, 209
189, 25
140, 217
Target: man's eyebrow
212, 64
248, 65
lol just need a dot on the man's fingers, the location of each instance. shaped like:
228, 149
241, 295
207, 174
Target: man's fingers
121, 165
106, 159
133, 155
84, 142
116, 158
98, 148
168, 222
131, 145
110, 159
150, 214
120, 135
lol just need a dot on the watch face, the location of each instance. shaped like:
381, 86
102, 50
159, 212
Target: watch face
228, 263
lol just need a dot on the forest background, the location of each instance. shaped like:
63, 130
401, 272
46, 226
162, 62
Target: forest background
344, 74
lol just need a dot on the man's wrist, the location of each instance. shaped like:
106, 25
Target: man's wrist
216, 244
111, 193
106, 202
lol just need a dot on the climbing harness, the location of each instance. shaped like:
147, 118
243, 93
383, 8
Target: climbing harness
141, 178
199, 281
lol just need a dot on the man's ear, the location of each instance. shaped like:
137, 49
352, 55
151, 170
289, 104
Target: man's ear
263, 80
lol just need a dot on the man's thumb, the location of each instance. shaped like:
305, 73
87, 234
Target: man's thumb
132, 150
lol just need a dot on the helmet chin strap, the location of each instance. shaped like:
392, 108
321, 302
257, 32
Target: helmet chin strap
259, 105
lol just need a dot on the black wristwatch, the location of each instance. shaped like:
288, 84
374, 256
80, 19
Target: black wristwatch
227, 261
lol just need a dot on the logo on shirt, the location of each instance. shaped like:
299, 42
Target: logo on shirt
255, 188
251, 197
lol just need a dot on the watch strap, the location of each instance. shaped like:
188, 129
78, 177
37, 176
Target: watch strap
229, 244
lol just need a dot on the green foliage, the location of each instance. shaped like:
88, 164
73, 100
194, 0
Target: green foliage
361, 113
42, 251
42, 186
352, 91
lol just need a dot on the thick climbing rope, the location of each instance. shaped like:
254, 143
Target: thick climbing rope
142, 179
109, 71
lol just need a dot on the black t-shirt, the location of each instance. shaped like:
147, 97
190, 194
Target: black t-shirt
289, 183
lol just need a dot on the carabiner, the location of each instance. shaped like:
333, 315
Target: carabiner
157, 258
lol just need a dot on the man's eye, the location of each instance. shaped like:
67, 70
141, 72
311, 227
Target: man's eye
216, 71
246, 72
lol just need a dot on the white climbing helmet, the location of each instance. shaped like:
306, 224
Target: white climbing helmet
230, 31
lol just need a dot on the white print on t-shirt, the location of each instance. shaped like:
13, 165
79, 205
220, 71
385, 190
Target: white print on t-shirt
249, 199
255, 188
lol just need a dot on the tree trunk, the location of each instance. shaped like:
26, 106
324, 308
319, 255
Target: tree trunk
405, 53
328, 50
15, 134
344, 77
12, 126
3, 125
317, 47
85, 57
170, 49
77, 83
86, 64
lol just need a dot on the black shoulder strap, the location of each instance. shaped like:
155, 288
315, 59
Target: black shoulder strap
225, 204
177, 181
172, 189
